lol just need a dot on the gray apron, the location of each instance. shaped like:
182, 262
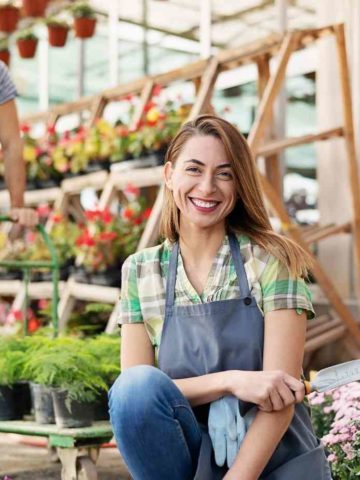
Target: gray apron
229, 335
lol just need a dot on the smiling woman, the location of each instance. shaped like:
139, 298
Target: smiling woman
220, 306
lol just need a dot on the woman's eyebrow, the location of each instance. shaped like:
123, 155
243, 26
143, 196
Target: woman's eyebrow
198, 162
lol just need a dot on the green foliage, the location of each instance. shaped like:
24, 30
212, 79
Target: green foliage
13, 354
4, 43
65, 364
322, 423
82, 9
106, 349
56, 22
26, 35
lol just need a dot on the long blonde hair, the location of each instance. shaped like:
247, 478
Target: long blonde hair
249, 215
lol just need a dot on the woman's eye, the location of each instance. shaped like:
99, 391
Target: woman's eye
193, 169
226, 175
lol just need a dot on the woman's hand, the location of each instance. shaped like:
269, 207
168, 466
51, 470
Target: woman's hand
269, 390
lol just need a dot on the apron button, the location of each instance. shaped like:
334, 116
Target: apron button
247, 301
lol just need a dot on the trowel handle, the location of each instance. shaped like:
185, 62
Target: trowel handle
307, 386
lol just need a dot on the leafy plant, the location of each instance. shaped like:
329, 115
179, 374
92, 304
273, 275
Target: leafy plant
26, 35
82, 9
56, 22
12, 359
106, 349
4, 43
65, 364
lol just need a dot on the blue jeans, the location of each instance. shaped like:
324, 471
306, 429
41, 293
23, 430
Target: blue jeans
155, 428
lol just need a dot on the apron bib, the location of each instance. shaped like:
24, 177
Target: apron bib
229, 335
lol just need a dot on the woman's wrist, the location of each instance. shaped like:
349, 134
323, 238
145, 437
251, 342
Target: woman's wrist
232, 380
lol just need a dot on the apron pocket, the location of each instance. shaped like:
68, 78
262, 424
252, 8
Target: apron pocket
311, 465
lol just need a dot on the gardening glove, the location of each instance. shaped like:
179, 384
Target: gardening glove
227, 428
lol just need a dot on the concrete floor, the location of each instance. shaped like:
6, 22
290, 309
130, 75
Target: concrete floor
21, 460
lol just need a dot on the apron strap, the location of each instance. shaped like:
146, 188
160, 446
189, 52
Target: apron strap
239, 266
171, 278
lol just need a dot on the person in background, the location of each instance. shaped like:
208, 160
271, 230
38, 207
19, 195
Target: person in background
12, 147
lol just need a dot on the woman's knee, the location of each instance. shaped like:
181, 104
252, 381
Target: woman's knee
137, 388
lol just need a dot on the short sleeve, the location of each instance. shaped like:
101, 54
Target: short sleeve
129, 308
7, 88
281, 291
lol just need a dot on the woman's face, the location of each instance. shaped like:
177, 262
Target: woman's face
202, 182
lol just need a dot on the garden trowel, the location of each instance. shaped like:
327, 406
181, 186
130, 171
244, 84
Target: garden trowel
333, 377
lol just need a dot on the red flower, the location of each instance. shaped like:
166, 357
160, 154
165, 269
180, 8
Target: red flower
85, 239
149, 106
25, 128
51, 130
146, 214
43, 210
56, 218
43, 304
156, 90
18, 315
128, 97
106, 216
131, 191
137, 221
92, 215
127, 213
33, 325
107, 236
122, 131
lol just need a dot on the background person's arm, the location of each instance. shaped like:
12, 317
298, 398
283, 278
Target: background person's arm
284, 341
12, 148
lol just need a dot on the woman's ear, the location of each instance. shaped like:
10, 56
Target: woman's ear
168, 171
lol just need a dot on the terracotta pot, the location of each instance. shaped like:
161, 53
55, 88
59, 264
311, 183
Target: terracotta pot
26, 47
9, 17
5, 56
57, 35
84, 27
34, 8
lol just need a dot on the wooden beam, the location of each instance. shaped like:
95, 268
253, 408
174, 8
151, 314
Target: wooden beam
97, 109
272, 166
279, 145
353, 169
144, 99
150, 235
271, 91
206, 88
327, 231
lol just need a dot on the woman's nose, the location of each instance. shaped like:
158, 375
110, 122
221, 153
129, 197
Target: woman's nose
207, 185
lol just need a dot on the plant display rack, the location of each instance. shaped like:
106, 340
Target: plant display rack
203, 74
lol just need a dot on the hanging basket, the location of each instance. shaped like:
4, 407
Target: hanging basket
34, 8
9, 17
5, 56
57, 35
84, 27
26, 47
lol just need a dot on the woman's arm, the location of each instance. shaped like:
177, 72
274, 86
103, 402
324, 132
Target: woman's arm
136, 348
283, 349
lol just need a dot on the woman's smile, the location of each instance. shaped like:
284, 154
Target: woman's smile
204, 206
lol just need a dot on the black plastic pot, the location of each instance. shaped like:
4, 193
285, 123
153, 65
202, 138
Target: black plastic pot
22, 399
11, 274
80, 275
31, 185
7, 411
49, 183
101, 407
109, 278
97, 165
46, 275
2, 184
42, 403
71, 413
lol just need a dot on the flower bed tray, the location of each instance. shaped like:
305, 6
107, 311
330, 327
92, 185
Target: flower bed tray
78, 448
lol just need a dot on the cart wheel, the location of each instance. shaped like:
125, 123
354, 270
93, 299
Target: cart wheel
86, 469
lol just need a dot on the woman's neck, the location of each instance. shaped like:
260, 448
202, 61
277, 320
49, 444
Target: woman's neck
199, 244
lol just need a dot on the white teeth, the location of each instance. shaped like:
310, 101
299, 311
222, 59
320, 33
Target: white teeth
200, 203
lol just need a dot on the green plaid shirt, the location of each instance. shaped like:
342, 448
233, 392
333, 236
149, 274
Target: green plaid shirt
144, 282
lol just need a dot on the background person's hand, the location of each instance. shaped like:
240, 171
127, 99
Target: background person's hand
23, 218
269, 390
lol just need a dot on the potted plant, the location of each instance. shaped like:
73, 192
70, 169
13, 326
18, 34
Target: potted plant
9, 17
14, 399
34, 8
58, 32
27, 43
74, 376
4, 51
84, 20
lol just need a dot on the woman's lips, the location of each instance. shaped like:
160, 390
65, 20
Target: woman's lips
204, 205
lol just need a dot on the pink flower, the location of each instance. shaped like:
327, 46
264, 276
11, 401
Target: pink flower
332, 458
